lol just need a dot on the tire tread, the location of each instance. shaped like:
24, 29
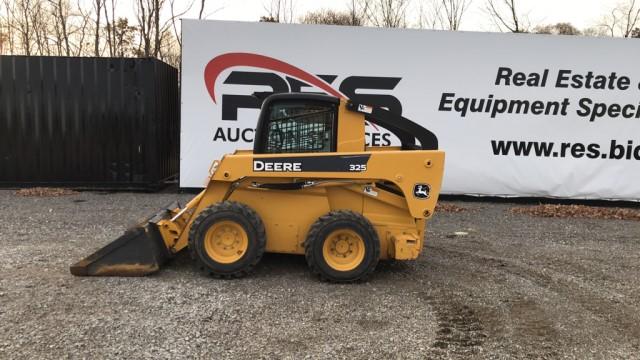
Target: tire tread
317, 227
254, 220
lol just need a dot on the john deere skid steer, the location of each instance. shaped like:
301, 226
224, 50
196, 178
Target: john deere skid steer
310, 187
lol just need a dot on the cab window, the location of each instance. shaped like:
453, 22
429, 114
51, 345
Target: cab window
300, 127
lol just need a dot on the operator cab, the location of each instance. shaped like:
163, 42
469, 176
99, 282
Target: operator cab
297, 123
308, 123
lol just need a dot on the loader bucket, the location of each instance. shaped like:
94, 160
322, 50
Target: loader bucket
140, 251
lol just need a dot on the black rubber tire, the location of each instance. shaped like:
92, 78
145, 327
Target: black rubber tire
245, 217
340, 220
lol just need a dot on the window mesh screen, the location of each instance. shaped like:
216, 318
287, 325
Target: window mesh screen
299, 128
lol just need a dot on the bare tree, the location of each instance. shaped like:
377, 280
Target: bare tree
21, 23
175, 16
202, 3
97, 6
442, 14
273, 12
83, 27
145, 13
388, 13
358, 10
563, 28
203, 15
267, 18
60, 11
155, 35
40, 20
157, 5
430, 14
330, 17
149, 25
110, 27
453, 11
4, 33
506, 17
281, 11
623, 19
124, 37
6, 26
94, 28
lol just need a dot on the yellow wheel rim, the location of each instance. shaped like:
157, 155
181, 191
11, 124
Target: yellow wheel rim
226, 242
343, 250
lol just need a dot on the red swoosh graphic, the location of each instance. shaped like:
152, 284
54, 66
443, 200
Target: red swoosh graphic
225, 61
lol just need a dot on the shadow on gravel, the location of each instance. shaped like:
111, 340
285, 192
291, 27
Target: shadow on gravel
281, 264
278, 265
270, 265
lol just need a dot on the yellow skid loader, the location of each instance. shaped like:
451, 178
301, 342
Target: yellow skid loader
310, 186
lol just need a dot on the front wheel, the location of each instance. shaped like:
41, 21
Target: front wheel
227, 239
342, 246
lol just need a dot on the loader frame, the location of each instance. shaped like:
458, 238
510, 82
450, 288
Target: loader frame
395, 188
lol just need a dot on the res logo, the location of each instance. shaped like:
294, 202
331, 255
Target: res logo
283, 77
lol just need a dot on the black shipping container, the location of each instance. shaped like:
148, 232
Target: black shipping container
88, 122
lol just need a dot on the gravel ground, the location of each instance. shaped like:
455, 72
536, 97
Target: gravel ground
514, 287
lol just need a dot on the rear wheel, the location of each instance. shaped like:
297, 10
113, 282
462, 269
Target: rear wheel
227, 239
342, 246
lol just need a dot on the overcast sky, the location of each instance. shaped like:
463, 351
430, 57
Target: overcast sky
581, 13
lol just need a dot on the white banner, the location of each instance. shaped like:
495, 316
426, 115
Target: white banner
517, 114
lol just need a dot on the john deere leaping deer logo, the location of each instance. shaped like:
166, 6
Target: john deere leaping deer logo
421, 191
